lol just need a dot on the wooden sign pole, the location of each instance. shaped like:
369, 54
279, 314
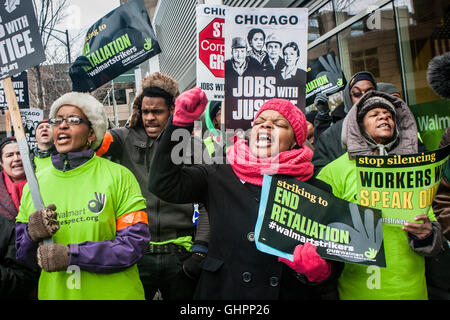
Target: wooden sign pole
8, 123
19, 133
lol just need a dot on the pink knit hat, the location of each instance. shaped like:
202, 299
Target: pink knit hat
293, 114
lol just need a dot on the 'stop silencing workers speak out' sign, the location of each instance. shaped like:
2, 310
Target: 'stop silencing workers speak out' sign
20, 41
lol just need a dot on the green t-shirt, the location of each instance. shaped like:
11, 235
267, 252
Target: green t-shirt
89, 199
404, 275
42, 163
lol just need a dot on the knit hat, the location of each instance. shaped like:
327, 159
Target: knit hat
215, 107
387, 87
364, 75
90, 106
372, 103
293, 114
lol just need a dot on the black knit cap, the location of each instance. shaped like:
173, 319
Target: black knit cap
214, 108
362, 76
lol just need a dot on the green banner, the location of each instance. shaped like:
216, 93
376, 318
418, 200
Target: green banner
432, 119
401, 186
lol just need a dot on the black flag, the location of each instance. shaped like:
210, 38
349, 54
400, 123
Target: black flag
116, 43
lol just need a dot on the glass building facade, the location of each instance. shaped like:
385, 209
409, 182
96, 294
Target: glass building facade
393, 39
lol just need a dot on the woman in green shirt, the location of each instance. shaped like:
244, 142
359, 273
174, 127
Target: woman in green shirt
95, 213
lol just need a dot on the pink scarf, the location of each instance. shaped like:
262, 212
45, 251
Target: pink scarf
14, 189
251, 169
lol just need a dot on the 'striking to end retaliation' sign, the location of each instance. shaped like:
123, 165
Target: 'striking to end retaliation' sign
20, 41
293, 212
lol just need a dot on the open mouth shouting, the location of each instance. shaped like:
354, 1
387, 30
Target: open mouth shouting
152, 128
63, 138
264, 139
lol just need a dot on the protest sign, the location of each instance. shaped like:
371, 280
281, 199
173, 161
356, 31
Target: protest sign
210, 50
324, 75
20, 49
115, 44
293, 212
20, 85
20, 42
432, 119
265, 57
30, 120
402, 186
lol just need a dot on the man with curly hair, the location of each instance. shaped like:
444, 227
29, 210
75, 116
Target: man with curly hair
172, 262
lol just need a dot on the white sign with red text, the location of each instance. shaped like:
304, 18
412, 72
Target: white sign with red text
211, 50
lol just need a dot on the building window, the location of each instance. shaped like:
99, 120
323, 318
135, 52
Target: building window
120, 95
366, 60
320, 22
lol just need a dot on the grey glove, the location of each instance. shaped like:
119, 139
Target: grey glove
43, 223
321, 103
54, 257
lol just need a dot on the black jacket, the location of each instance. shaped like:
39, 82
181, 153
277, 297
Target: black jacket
16, 280
234, 268
133, 148
328, 147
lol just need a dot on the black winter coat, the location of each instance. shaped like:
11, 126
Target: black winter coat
234, 268
16, 280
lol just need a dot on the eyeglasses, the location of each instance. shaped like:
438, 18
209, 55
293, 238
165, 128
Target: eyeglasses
71, 121
359, 93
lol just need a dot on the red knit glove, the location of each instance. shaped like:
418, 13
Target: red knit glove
308, 262
189, 106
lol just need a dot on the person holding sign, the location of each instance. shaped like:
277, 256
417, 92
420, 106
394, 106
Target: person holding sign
95, 213
381, 124
234, 268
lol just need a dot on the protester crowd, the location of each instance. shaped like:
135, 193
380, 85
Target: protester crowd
123, 220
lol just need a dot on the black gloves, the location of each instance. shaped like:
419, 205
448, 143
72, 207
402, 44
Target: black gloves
191, 266
321, 103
